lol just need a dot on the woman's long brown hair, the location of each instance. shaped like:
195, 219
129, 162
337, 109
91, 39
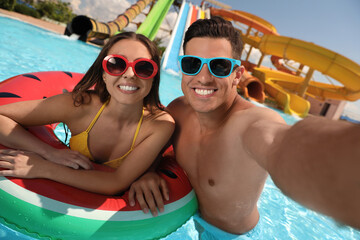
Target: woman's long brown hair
93, 82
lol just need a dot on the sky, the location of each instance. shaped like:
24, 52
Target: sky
333, 24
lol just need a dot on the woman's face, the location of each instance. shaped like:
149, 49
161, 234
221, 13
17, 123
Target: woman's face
128, 88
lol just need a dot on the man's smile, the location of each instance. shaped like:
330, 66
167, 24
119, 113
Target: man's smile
204, 92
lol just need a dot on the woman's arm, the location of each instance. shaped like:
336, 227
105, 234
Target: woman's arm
29, 165
150, 189
14, 117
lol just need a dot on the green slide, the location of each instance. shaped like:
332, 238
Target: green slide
152, 23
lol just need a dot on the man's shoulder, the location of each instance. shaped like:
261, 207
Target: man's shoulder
255, 113
178, 108
177, 104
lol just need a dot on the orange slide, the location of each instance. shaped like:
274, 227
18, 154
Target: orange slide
251, 88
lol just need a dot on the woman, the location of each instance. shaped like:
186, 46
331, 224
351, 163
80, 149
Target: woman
114, 115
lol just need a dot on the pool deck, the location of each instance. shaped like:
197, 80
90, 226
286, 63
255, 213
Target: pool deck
51, 26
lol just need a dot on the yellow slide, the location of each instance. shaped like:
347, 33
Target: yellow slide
274, 85
317, 58
321, 59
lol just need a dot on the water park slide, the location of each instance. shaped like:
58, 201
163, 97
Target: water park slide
88, 28
251, 88
151, 24
192, 17
291, 103
194, 14
188, 14
249, 85
251, 21
248, 19
169, 60
318, 58
257, 20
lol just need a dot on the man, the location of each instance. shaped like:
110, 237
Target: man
227, 146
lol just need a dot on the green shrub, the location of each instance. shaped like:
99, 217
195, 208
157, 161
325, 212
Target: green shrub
7, 4
23, 9
56, 10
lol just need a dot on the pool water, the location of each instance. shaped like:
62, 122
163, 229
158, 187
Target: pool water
25, 48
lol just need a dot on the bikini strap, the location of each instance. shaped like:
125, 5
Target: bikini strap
137, 130
97, 116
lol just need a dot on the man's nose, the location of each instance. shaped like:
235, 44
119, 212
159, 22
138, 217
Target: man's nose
204, 75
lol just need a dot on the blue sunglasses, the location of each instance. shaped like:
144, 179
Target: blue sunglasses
219, 67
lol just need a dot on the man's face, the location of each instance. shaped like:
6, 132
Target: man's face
204, 91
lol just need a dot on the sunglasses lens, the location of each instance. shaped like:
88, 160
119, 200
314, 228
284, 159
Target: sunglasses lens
116, 65
220, 67
144, 69
190, 65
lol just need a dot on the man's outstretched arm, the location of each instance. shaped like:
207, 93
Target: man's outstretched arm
317, 163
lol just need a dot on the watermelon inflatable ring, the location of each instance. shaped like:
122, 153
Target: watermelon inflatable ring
45, 209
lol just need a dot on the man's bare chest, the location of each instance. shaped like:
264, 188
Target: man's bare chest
206, 159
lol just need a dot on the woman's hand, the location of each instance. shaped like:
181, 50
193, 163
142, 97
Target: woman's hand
149, 190
21, 164
69, 158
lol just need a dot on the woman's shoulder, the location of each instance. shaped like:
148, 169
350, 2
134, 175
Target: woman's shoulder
64, 98
67, 100
82, 113
90, 103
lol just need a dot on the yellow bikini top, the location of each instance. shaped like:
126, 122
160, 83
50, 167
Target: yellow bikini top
79, 142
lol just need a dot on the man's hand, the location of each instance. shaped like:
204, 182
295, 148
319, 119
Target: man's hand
21, 164
150, 190
69, 158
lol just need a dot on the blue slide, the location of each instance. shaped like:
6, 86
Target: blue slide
170, 57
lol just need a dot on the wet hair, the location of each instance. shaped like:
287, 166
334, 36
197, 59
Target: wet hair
216, 27
93, 82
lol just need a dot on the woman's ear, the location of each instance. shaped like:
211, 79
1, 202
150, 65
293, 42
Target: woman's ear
104, 77
238, 74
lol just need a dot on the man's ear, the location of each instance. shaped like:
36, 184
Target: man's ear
238, 74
